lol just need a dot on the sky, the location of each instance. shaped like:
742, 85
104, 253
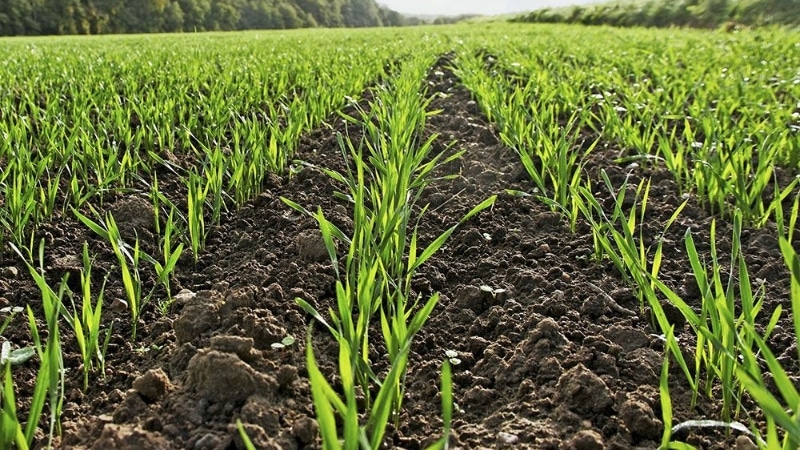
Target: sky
455, 7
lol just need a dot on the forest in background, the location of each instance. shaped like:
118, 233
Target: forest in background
59, 17
681, 13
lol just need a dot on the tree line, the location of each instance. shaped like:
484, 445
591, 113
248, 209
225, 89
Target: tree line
682, 13
56, 17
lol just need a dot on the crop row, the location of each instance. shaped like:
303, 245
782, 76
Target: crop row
721, 114
84, 119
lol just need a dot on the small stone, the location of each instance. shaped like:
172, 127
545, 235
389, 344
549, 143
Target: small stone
119, 305
745, 443
10, 272
184, 296
518, 259
67, 263
153, 385
504, 438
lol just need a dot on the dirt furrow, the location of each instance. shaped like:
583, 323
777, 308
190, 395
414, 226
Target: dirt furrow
554, 350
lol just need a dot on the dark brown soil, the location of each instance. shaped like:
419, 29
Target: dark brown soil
558, 354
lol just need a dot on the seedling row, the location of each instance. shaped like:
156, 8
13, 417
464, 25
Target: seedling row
84, 122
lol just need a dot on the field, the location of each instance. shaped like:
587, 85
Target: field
482, 236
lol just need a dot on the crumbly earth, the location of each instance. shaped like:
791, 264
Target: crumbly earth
556, 352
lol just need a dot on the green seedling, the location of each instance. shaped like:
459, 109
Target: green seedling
86, 322
779, 406
129, 263
285, 342
388, 172
49, 386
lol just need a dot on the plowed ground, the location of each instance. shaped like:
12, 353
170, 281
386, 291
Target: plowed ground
558, 354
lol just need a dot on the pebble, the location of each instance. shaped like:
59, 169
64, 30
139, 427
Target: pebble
745, 443
507, 438
10, 272
119, 305
184, 296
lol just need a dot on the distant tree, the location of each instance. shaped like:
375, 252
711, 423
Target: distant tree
314, 8
766, 12
289, 16
195, 13
361, 13
20, 17
173, 17
144, 16
224, 15
709, 13
391, 18
151, 15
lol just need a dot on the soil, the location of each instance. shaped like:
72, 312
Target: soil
555, 350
